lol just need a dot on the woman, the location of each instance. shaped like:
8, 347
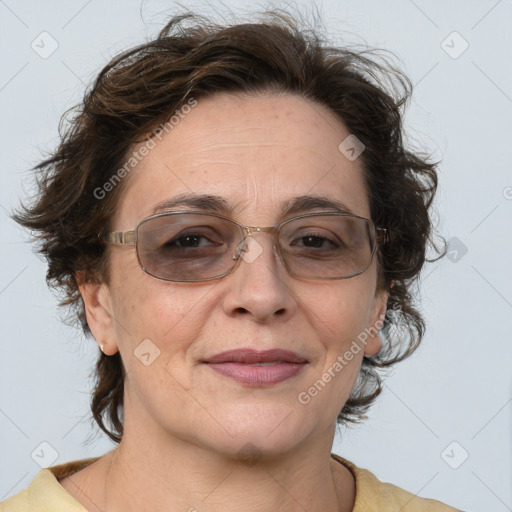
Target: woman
234, 218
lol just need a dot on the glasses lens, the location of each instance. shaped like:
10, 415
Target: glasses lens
327, 246
199, 247
187, 247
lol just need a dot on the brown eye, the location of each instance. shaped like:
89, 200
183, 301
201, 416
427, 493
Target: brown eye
192, 240
317, 241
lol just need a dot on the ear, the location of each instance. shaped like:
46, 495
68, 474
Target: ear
98, 310
377, 315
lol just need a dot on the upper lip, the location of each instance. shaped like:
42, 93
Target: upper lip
250, 356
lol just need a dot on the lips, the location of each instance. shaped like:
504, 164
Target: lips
249, 356
257, 369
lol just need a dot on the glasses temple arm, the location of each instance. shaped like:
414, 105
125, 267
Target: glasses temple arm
120, 237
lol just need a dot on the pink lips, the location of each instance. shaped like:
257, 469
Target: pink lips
257, 368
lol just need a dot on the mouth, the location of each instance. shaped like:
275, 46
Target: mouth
257, 369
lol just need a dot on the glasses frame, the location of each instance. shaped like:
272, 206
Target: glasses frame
380, 236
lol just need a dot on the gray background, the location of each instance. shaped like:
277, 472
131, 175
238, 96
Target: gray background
456, 388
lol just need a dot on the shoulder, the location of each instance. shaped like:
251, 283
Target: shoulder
372, 495
45, 494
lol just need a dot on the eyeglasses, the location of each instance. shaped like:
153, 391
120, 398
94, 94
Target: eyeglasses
189, 246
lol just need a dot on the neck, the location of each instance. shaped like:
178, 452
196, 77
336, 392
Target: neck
181, 476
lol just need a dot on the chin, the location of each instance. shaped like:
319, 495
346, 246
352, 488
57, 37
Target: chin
251, 449
264, 434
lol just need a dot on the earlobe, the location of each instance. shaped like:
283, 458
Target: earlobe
378, 315
98, 311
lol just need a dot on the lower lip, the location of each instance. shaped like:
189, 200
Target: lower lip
257, 375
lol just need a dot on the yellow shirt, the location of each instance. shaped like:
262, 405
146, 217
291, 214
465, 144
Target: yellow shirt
45, 494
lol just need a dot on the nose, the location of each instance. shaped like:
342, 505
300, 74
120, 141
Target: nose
260, 286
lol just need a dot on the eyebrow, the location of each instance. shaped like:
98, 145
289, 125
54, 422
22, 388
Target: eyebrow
218, 205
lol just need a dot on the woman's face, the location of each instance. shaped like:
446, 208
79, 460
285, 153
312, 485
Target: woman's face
256, 153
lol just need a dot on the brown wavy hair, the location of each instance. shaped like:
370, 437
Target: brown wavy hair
193, 57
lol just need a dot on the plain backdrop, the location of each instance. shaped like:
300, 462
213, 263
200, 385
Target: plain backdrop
442, 427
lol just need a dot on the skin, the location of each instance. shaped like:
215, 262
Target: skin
184, 423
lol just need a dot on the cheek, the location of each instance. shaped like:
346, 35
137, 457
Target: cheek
340, 318
167, 314
156, 323
341, 313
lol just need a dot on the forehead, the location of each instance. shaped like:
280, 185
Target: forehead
257, 152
